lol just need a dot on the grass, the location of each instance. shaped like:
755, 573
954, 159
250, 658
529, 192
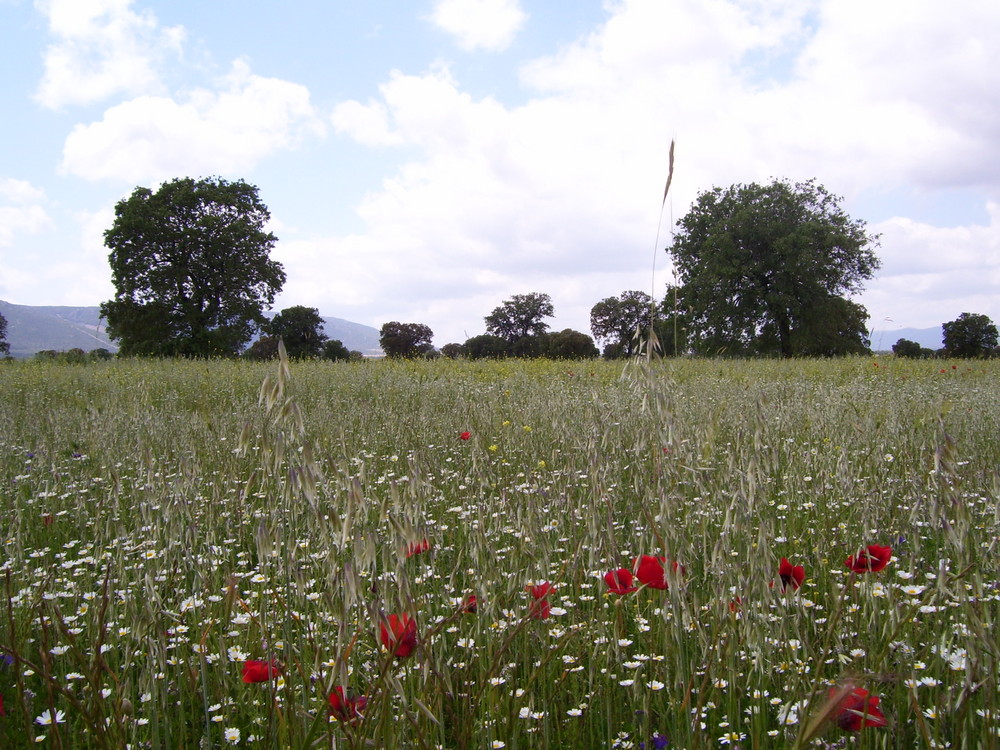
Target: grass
165, 522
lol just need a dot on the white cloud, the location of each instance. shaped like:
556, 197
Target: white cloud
480, 24
930, 275
561, 194
102, 48
20, 210
206, 132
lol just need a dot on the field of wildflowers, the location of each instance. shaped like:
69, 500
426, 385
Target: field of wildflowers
676, 554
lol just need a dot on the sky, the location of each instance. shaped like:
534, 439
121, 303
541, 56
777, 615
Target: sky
425, 160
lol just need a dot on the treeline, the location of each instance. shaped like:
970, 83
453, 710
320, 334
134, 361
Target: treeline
969, 336
761, 271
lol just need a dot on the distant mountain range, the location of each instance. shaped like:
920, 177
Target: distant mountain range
31, 329
929, 338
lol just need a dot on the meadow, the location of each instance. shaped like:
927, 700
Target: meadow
207, 554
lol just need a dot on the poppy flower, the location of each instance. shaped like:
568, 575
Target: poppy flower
400, 637
470, 604
869, 560
620, 581
347, 707
857, 709
791, 575
255, 670
465, 436
540, 606
650, 571
415, 548
736, 604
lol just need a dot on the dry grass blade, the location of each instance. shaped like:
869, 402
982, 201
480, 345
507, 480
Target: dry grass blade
670, 171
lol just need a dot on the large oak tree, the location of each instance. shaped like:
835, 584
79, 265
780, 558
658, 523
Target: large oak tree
766, 269
191, 267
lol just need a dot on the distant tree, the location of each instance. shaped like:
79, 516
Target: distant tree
191, 268
970, 335
568, 344
906, 348
301, 328
623, 321
264, 348
101, 354
756, 262
4, 346
452, 351
334, 349
485, 346
405, 339
520, 316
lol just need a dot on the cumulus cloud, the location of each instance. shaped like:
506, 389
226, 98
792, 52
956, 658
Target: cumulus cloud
202, 132
20, 210
561, 193
102, 48
480, 24
931, 274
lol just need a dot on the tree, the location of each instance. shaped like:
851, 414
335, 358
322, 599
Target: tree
569, 344
334, 349
520, 317
907, 349
264, 348
485, 346
405, 339
617, 320
301, 328
757, 262
4, 346
452, 351
191, 268
970, 335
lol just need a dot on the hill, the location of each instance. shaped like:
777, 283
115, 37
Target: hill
31, 329
931, 338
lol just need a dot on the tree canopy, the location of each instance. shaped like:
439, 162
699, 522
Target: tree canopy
970, 335
4, 345
764, 269
191, 268
301, 328
405, 339
520, 316
617, 320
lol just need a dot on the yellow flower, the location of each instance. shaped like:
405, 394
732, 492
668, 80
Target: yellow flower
494, 447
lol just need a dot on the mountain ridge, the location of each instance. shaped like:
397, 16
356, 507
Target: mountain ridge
35, 328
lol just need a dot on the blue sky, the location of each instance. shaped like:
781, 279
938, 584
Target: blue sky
423, 160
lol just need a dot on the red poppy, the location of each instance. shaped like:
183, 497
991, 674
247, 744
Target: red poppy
540, 607
415, 548
260, 671
735, 604
620, 581
465, 435
347, 708
869, 560
470, 604
650, 571
48, 519
400, 636
2, 712
857, 709
791, 575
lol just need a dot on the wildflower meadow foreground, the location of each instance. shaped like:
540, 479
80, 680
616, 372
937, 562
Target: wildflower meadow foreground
673, 554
